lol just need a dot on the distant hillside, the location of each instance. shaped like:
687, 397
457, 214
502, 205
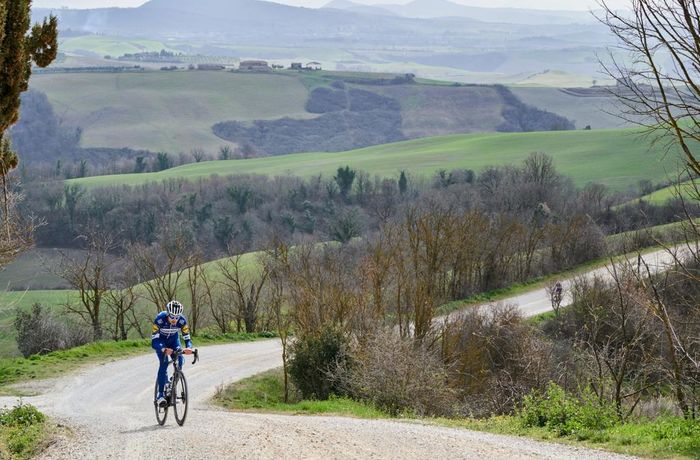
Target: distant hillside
350, 118
616, 158
443, 8
176, 111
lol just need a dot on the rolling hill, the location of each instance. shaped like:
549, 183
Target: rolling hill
616, 158
165, 111
175, 111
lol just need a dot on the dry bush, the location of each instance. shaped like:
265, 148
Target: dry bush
398, 375
494, 359
40, 332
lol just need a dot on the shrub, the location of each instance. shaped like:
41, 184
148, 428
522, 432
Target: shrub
494, 359
21, 415
22, 430
39, 332
397, 375
566, 414
315, 361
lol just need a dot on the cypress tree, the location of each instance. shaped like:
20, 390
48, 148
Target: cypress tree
19, 47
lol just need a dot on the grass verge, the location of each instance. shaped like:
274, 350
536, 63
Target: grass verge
38, 367
23, 431
669, 437
265, 393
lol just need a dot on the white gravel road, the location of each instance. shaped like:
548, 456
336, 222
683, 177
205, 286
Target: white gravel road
109, 409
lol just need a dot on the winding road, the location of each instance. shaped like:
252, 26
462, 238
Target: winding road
110, 412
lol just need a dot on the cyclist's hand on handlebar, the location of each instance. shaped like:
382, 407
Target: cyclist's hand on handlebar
188, 351
168, 351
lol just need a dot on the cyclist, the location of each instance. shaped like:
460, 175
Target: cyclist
165, 339
558, 288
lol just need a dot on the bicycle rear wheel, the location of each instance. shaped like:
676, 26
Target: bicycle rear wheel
161, 412
180, 398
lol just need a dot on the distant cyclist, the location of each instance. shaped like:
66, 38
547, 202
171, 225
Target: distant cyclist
556, 293
166, 338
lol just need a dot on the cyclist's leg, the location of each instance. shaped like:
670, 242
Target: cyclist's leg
162, 372
180, 359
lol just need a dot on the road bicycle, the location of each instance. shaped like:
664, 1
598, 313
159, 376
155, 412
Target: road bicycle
175, 391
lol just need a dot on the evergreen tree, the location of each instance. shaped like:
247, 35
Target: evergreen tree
18, 49
403, 183
345, 178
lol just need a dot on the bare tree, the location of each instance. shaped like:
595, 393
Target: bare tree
199, 287
18, 231
659, 86
162, 266
87, 273
121, 301
245, 286
275, 260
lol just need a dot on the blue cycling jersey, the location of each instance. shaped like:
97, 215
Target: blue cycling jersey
166, 335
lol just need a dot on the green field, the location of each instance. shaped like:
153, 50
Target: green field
31, 270
593, 111
616, 158
100, 45
167, 111
687, 190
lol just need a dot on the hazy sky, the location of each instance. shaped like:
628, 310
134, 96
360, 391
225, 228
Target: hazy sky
539, 4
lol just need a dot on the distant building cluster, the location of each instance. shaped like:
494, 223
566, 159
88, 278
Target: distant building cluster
251, 65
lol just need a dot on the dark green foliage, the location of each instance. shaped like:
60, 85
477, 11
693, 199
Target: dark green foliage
140, 165
225, 153
403, 183
163, 162
314, 363
325, 100
564, 413
242, 196
17, 52
344, 179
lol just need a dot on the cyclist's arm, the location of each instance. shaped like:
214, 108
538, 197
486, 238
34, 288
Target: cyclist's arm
156, 341
186, 334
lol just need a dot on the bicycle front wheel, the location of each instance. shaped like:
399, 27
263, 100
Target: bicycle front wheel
180, 398
161, 412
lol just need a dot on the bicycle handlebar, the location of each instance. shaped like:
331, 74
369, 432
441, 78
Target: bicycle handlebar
178, 352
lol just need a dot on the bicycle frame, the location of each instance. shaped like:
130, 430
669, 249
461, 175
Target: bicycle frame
176, 389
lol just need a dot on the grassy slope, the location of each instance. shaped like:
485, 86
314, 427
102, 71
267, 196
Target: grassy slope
687, 190
593, 111
30, 270
431, 110
167, 111
616, 158
100, 45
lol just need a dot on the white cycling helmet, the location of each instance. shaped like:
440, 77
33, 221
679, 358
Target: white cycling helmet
174, 308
